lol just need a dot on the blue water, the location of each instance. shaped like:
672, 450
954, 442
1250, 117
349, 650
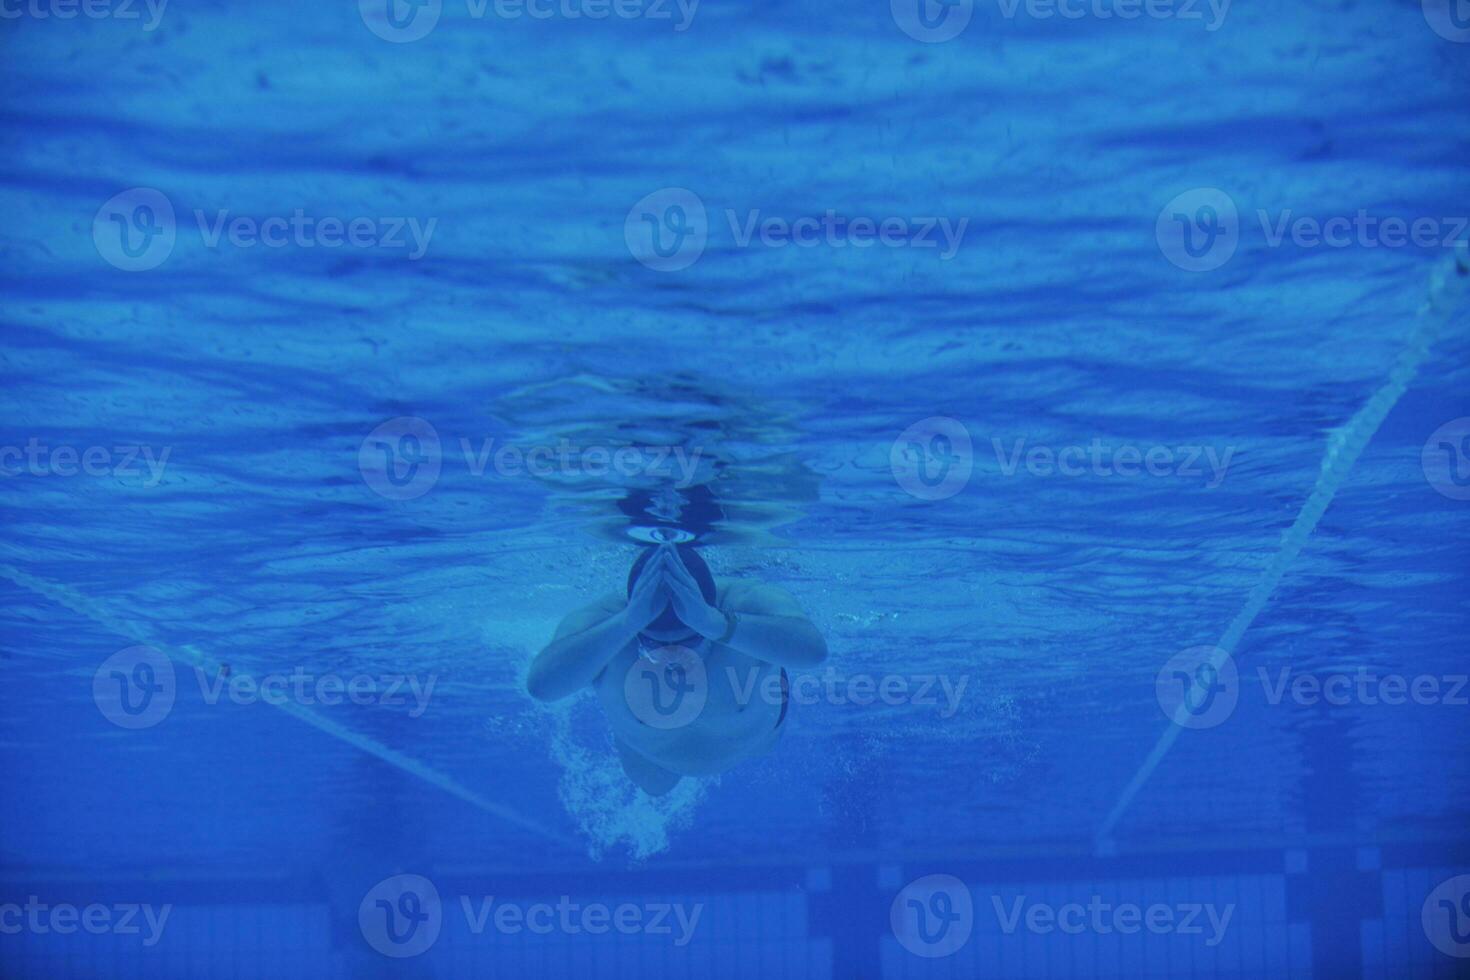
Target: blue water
1055, 386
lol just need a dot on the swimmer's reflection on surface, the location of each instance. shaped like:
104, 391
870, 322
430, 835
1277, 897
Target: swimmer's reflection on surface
690, 672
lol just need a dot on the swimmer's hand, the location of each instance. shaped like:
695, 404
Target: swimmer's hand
589, 638
650, 595
688, 602
760, 621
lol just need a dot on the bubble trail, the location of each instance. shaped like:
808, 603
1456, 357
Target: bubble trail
1448, 288
194, 657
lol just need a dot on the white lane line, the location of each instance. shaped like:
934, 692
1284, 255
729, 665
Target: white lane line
194, 657
1448, 288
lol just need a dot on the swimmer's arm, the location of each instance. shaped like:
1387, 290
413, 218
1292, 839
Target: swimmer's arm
770, 625
584, 643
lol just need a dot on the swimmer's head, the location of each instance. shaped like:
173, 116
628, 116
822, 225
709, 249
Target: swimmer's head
667, 628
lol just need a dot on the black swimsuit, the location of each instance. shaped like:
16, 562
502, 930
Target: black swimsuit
785, 697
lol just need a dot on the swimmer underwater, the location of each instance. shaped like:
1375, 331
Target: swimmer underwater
742, 634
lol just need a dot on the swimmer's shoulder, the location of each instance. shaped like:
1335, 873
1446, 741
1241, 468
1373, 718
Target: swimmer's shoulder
756, 598
589, 615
